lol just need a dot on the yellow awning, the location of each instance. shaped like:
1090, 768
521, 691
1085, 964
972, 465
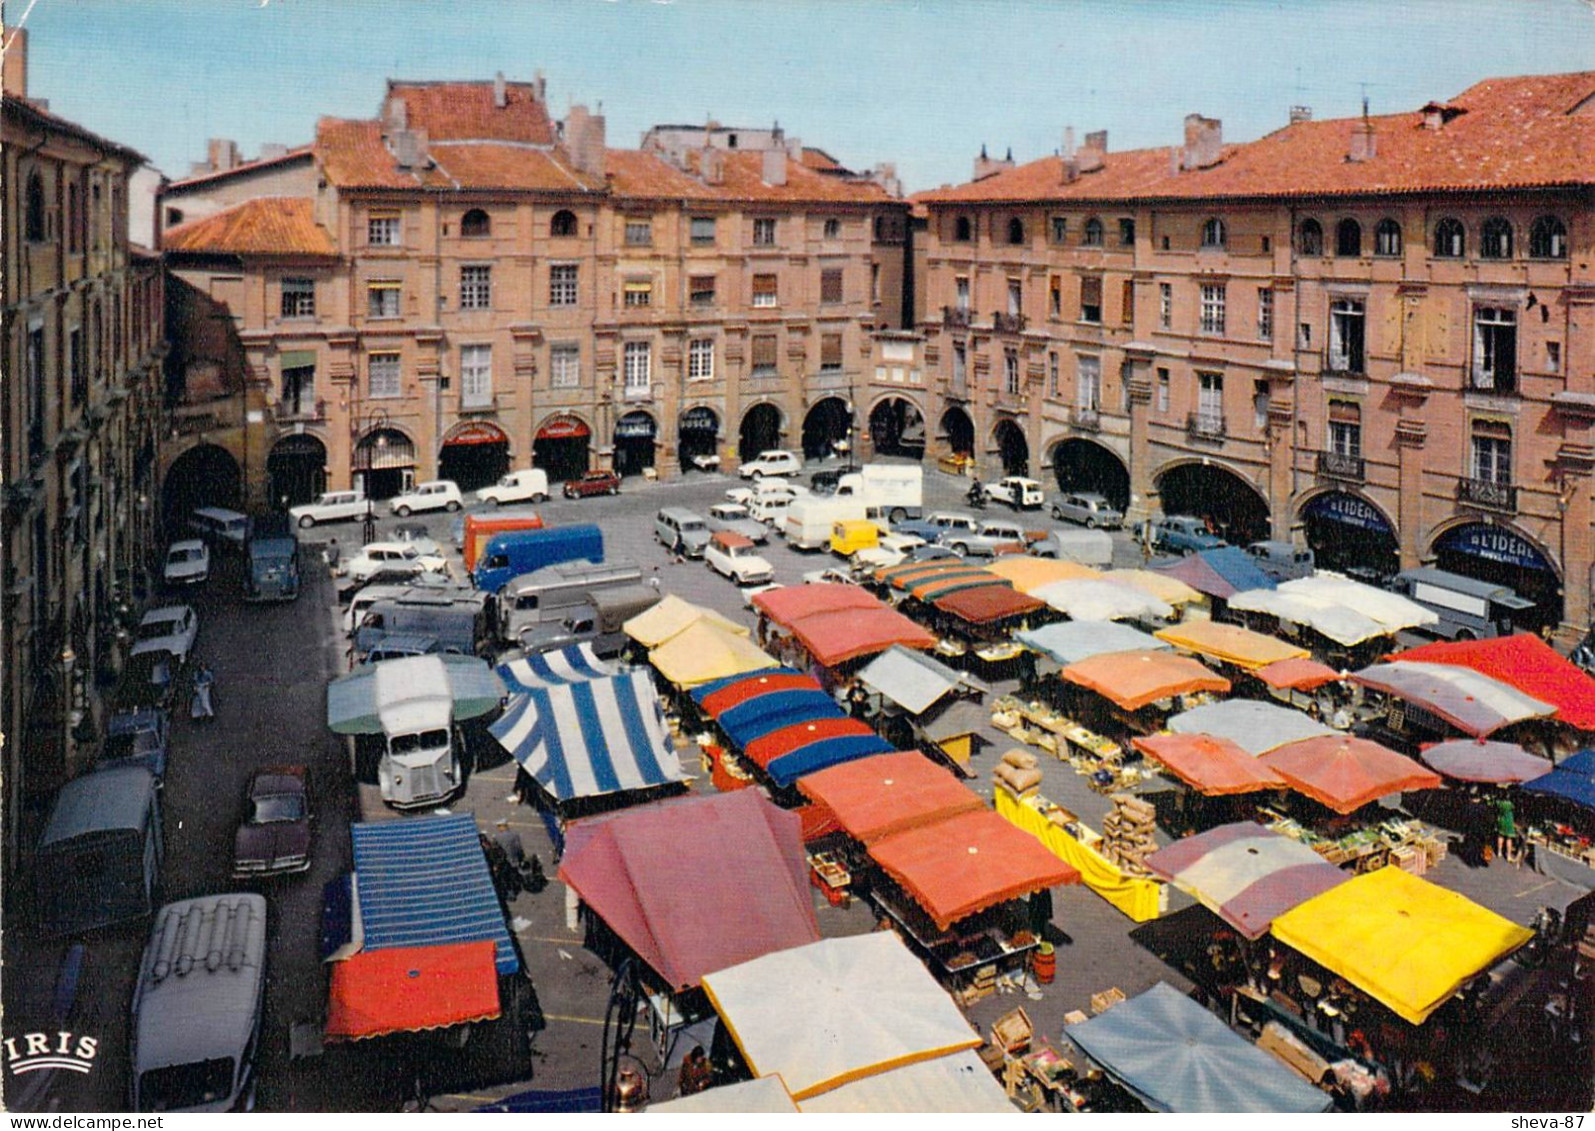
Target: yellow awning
671, 617
705, 651
1029, 574
1169, 590
1409, 943
1230, 643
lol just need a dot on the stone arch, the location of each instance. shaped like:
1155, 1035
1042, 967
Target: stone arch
827, 427
296, 469
562, 445
1079, 464
1350, 533
384, 462
1207, 489
475, 453
761, 428
1501, 553
205, 475
698, 437
897, 427
1012, 446
958, 431
636, 434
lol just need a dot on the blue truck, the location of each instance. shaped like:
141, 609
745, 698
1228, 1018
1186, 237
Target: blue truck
271, 560
511, 554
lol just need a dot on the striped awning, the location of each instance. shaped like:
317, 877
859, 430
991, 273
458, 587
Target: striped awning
588, 739
577, 664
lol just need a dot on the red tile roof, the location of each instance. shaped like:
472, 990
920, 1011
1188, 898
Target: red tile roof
465, 111
237, 170
1521, 132
353, 156
32, 114
494, 166
271, 225
642, 174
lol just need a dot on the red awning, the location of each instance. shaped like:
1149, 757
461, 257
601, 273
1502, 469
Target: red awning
1347, 773
1209, 764
1525, 662
1297, 674
968, 863
476, 432
889, 793
1134, 679
988, 603
719, 702
563, 428
408, 989
792, 603
835, 637
779, 743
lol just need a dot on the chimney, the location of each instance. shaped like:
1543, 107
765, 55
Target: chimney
711, 165
221, 154
885, 175
985, 166
409, 148
542, 86
584, 138
775, 164
1093, 152
271, 150
1362, 146
1204, 142
1300, 114
500, 99
394, 115
15, 61
1071, 166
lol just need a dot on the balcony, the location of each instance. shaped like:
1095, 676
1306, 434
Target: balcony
1008, 323
1086, 419
300, 412
955, 317
1338, 465
1488, 494
1207, 426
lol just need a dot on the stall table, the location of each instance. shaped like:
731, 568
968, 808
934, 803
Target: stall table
967, 957
1410, 845
829, 872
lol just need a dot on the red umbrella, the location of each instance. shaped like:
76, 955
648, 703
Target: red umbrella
1499, 763
1298, 675
1347, 773
1211, 765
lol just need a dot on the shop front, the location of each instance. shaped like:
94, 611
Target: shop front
475, 454
1350, 535
1486, 551
561, 447
297, 468
384, 463
698, 439
635, 436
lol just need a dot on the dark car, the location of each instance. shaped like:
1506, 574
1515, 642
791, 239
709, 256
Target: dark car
138, 737
274, 837
593, 483
825, 482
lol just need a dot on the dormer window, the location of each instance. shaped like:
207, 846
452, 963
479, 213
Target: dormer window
1214, 234
563, 223
475, 224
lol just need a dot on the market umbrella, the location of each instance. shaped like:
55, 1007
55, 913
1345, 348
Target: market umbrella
1500, 763
1029, 574
1474, 703
1346, 773
1091, 599
1160, 585
1134, 679
1210, 765
1072, 640
1573, 780
1298, 674
1230, 643
1251, 724
1525, 662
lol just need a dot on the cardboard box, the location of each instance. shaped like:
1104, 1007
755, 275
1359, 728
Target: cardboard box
1012, 1031
1106, 1000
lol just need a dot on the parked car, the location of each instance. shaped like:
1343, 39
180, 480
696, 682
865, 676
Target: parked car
765, 488
593, 483
772, 510
937, 523
389, 557
417, 535
331, 506
773, 462
986, 541
929, 552
274, 836
681, 531
736, 558
187, 563
1089, 509
386, 646
529, 485
436, 495
172, 628
1087, 547
753, 591
830, 575
1283, 561
1179, 533
890, 550
825, 482
138, 737
736, 519
1018, 492
226, 528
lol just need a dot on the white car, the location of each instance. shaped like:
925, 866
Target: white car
187, 563
737, 558
775, 462
736, 518
771, 510
395, 557
330, 506
753, 591
438, 494
1018, 492
828, 576
528, 485
172, 628
892, 549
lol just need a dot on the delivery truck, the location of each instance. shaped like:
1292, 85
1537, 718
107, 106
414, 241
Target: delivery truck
894, 491
507, 556
479, 528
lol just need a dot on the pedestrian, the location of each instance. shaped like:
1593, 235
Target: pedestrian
201, 706
1506, 829
528, 869
332, 554
858, 700
1041, 914
696, 1072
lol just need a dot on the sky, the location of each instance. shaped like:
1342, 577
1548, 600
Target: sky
920, 83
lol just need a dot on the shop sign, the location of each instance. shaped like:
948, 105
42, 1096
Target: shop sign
1337, 506
1494, 544
635, 426
478, 432
699, 420
563, 428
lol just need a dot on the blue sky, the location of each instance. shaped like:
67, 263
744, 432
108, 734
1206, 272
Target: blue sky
920, 82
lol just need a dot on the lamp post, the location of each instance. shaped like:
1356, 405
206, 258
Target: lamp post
374, 422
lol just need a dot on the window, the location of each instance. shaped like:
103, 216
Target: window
639, 233
875, 282
1492, 454
764, 355
1016, 296
382, 299
1165, 305
382, 228
1091, 298
1305, 335
77, 367
476, 376
1088, 382
1060, 228
1450, 239
1214, 234
961, 288
639, 367
298, 385
635, 293
961, 229
1495, 349
960, 368
1310, 238
74, 218
700, 290
382, 375
1212, 308
38, 230
475, 224
764, 292
1548, 238
702, 230
833, 229
1387, 238
1010, 372
563, 223
476, 287
1016, 230
1162, 389
1210, 403
1348, 238
1126, 233
1055, 296
1265, 314
562, 284
565, 366
1093, 233
1260, 402
1345, 429
700, 359
1553, 357
1127, 302
764, 233
1052, 374
830, 353
831, 285
1347, 318
1495, 239
298, 298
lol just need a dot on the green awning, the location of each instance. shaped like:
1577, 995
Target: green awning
298, 359
410, 691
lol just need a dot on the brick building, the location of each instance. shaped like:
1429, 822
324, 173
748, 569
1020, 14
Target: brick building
462, 285
81, 339
1375, 335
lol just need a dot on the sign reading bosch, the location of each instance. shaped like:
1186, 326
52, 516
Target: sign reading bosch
32, 1052
1348, 510
1493, 544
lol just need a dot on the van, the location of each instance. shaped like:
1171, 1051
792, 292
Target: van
896, 491
1468, 609
850, 536
198, 1005
458, 620
220, 526
99, 860
545, 594
599, 623
509, 555
399, 645
681, 531
478, 529
271, 571
527, 485
1282, 561
808, 522
416, 745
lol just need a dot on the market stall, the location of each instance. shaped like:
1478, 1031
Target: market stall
1220, 573
1344, 773
577, 664
881, 796
1563, 830
1251, 724
704, 652
793, 751
764, 1095
1028, 574
1482, 761
1424, 699
1067, 641
1213, 766
1133, 680
930, 579
978, 623
672, 616
836, 624
1522, 661
1068, 838
956, 1084
1166, 588
1097, 600
1308, 685
925, 703
1230, 644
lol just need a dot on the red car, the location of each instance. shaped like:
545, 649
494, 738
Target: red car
275, 835
593, 483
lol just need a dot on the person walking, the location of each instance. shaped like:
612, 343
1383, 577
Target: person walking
1506, 829
201, 706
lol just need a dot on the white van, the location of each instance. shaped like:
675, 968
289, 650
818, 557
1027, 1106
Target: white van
809, 523
220, 526
198, 1005
527, 485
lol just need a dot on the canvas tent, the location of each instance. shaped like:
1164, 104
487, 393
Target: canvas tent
1135, 679
1212, 766
703, 651
1254, 726
878, 797
1499, 763
576, 664
1028, 574
1346, 773
672, 616
1096, 600
1221, 573
956, 1084
913, 680
1230, 644
358, 702
1473, 703
1069, 641
1522, 661
1573, 780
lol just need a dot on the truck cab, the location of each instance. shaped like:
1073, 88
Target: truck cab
1468, 609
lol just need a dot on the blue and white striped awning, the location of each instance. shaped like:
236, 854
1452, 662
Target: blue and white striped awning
423, 881
587, 739
576, 664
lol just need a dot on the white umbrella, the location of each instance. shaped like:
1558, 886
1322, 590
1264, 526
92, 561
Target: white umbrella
1091, 599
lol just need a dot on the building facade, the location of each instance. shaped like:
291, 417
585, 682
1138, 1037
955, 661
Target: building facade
82, 337
1374, 335
471, 286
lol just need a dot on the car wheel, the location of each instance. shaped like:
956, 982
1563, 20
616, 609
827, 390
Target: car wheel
615, 490
306, 522
898, 514
1465, 634
539, 498
757, 474
960, 549
452, 507
569, 494
1090, 524
402, 512
494, 502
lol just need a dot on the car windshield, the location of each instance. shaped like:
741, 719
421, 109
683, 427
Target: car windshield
693, 525
156, 629
426, 740
409, 553
180, 1086
184, 555
277, 807
129, 745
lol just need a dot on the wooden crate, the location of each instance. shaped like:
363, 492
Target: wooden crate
1012, 1031
1106, 1000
